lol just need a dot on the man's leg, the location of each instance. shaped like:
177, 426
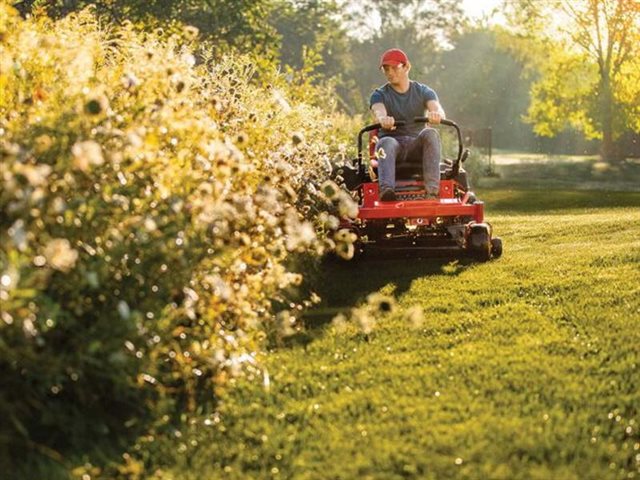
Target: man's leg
426, 148
387, 150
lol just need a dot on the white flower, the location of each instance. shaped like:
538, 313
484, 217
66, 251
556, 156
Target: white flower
347, 207
285, 323
330, 189
188, 58
86, 154
9, 279
344, 235
329, 221
18, 235
299, 235
60, 255
280, 101
129, 81
134, 140
150, 225
266, 381
306, 233
415, 316
58, 205
191, 32
35, 175
218, 286
339, 322
124, 311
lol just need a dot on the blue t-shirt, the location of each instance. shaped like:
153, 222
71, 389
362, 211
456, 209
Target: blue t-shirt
404, 106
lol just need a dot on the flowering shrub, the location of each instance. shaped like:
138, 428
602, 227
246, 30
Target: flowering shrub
151, 203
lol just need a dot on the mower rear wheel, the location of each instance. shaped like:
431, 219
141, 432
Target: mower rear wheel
496, 247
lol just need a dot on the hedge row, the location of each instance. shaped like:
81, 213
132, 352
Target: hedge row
152, 198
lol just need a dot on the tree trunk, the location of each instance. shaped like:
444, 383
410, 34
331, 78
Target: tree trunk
608, 151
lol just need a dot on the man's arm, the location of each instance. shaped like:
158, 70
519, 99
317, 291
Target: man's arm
435, 112
379, 112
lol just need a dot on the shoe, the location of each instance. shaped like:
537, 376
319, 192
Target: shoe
388, 195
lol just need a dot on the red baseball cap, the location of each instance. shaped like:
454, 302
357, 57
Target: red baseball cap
394, 56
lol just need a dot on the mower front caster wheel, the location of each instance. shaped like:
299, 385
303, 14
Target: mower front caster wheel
496, 247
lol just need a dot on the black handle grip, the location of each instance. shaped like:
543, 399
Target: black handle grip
376, 126
444, 121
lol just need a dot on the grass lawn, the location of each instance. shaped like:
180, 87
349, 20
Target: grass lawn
582, 172
524, 367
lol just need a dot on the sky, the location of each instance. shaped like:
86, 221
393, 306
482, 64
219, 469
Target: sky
476, 8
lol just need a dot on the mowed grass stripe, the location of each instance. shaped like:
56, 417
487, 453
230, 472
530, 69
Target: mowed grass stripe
524, 367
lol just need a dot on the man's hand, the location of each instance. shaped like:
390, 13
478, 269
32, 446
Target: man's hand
386, 122
434, 117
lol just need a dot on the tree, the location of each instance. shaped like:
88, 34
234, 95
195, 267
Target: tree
481, 85
587, 54
313, 44
236, 24
422, 20
313, 24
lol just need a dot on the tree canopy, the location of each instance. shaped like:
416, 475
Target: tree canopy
239, 24
587, 54
581, 57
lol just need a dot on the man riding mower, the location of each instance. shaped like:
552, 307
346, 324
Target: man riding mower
451, 222
409, 198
